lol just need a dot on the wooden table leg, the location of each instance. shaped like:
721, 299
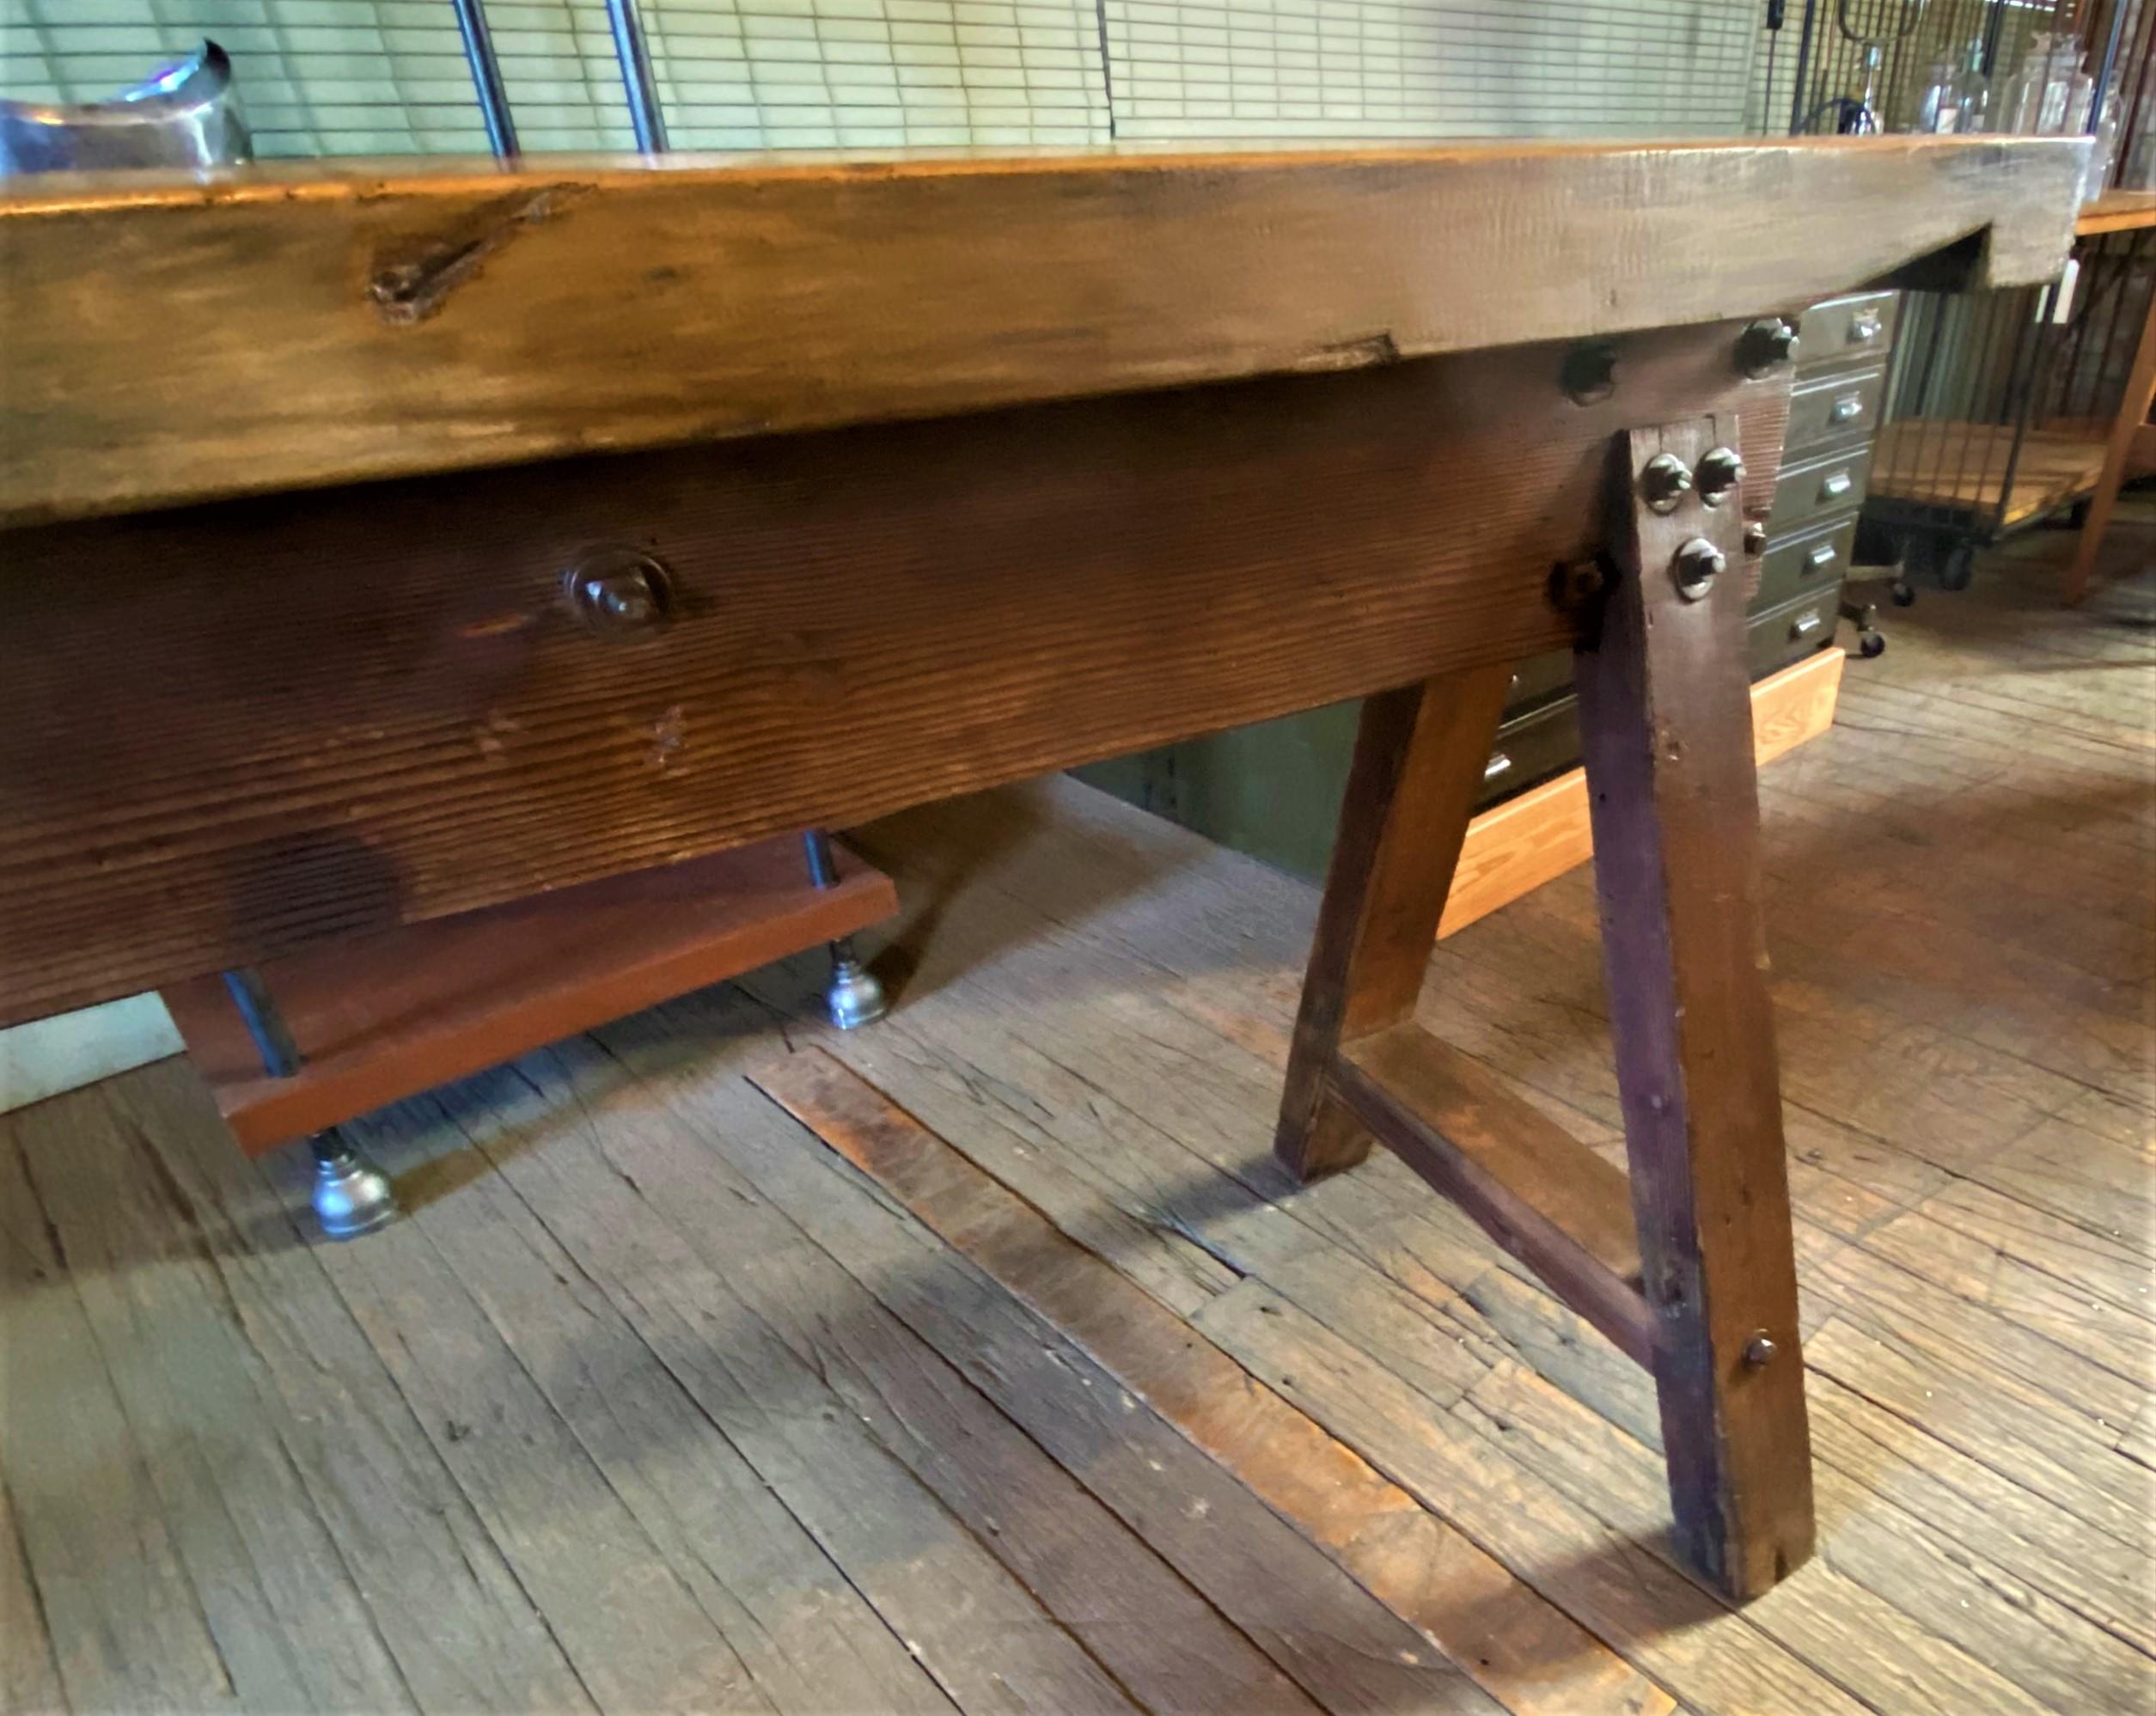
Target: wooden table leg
1689, 1267
1666, 720
2133, 412
1420, 752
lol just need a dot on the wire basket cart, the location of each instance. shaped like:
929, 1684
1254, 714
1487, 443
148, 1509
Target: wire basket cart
1999, 406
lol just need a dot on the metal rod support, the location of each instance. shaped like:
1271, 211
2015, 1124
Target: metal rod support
259, 1012
486, 77
823, 869
645, 118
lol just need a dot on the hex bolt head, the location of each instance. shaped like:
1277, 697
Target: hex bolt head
1755, 538
1765, 343
1665, 482
1696, 566
1718, 473
1759, 1349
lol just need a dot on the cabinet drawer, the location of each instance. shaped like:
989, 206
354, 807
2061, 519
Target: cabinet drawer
1792, 631
1820, 489
1846, 331
1538, 679
1800, 565
1531, 748
1838, 410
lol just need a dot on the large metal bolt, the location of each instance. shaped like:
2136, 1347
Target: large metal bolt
1720, 472
619, 592
1589, 373
1695, 567
1759, 1351
1765, 344
1665, 482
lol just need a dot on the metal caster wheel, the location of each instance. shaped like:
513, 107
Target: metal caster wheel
854, 997
1957, 567
1903, 593
1871, 644
351, 1195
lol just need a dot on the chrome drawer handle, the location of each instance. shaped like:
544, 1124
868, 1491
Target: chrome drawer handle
1821, 557
1836, 486
1804, 625
1865, 326
1847, 409
1499, 764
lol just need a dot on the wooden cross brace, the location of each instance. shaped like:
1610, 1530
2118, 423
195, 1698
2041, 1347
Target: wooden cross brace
1691, 1271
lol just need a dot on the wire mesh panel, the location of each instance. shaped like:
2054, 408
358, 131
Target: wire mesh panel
372, 77
1467, 68
805, 74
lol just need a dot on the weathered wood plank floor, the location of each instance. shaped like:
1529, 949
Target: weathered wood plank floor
982, 1360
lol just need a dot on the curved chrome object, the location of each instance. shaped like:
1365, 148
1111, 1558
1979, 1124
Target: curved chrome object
185, 115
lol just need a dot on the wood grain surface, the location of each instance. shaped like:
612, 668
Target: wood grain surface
1411, 787
382, 1017
1537, 1191
274, 721
301, 325
1663, 726
1515, 847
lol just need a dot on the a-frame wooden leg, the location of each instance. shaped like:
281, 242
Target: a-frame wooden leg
1665, 718
1689, 1267
1419, 753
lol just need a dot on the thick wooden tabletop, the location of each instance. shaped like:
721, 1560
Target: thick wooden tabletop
168, 341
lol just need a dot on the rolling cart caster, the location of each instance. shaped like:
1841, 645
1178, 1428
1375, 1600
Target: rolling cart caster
1864, 617
1902, 592
1957, 567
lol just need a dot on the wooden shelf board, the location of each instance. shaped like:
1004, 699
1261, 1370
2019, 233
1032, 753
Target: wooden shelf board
1535, 838
2116, 211
386, 1017
1933, 462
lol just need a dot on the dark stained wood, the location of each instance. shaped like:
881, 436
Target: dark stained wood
380, 711
1411, 788
1664, 711
1101, 1006
319, 323
384, 1017
1541, 1193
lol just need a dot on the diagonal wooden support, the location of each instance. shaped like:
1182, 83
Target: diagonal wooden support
1665, 721
1689, 1267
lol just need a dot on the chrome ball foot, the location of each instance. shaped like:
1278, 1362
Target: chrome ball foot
854, 997
351, 1195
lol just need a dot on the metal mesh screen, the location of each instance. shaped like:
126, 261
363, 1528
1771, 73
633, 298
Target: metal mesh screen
374, 76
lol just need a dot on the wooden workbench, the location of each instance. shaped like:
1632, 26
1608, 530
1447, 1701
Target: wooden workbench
872, 483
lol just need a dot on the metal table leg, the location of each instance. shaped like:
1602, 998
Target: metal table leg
854, 997
351, 1196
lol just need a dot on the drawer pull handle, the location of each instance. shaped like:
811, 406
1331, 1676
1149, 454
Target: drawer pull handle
1499, 764
1804, 625
1847, 409
1821, 557
1836, 486
1864, 327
